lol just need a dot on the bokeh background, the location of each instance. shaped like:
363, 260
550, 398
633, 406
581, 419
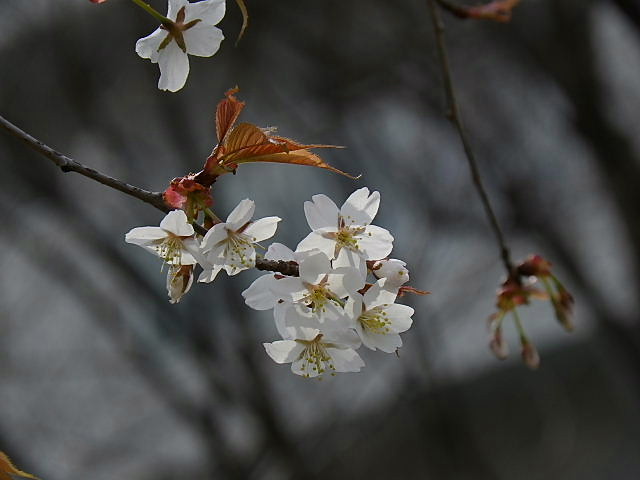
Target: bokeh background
101, 378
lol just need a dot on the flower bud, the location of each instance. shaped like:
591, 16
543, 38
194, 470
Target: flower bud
535, 266
498, 346
393, 270
179, 281
530, 355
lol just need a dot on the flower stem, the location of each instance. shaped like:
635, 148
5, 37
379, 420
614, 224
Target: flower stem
519, 327
455, 116
212, 215
153, 12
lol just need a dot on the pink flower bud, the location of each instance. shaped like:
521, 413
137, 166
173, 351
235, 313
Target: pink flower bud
530, 355
498, 346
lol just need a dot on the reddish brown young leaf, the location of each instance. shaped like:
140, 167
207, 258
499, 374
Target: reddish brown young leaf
7, 469
247, 143
227, 113
498, 10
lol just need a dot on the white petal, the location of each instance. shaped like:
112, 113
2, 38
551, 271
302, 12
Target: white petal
259, 295
314, 267
349, 258
145, 235
209, 11
300, 316
346, 338
360, 208
375, 243
400, 317
216, 234
321, 213
175, 6
283, 351
147, 47
174, 68
377, 295
278, 251
353, 309
262, 229
290, 289
176, 223
317, 242
345, 281
203, 40
345, 360
388, 342
210, 273
240, 215
279, 316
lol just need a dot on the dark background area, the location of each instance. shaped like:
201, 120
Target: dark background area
101, 378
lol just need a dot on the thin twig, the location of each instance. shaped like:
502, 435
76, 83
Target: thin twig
456, 117
154, 199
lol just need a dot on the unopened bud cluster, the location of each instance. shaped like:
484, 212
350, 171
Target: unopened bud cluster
518, 290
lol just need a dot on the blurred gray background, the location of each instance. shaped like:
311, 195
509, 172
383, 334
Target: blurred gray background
101, 378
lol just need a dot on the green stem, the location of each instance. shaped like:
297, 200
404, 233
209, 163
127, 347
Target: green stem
519, 327
150, 10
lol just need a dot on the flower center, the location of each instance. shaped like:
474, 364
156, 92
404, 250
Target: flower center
176, 30
314, 357
237, 250
346, 237
170, 250
318, 297
376, 320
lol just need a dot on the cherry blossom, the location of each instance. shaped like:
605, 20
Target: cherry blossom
346, 234
394, 271
191, 31
230, 245
313, 353
377, 320
173, 240
319, 286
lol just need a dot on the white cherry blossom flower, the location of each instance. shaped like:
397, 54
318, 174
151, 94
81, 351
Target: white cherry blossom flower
377, 320
319, 286
347, 234
313, 353
394, 271
230, 245
172, 241
192, 32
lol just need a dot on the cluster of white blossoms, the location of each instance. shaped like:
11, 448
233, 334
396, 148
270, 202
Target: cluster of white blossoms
228, 245
326, 312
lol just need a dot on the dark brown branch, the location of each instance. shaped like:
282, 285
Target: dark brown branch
456, 117
285, 268
155, 199
67, 164
497, 10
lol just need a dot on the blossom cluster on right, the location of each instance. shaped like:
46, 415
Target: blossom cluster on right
327, 312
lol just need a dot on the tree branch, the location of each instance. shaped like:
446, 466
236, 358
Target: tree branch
154, 199
456, 118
